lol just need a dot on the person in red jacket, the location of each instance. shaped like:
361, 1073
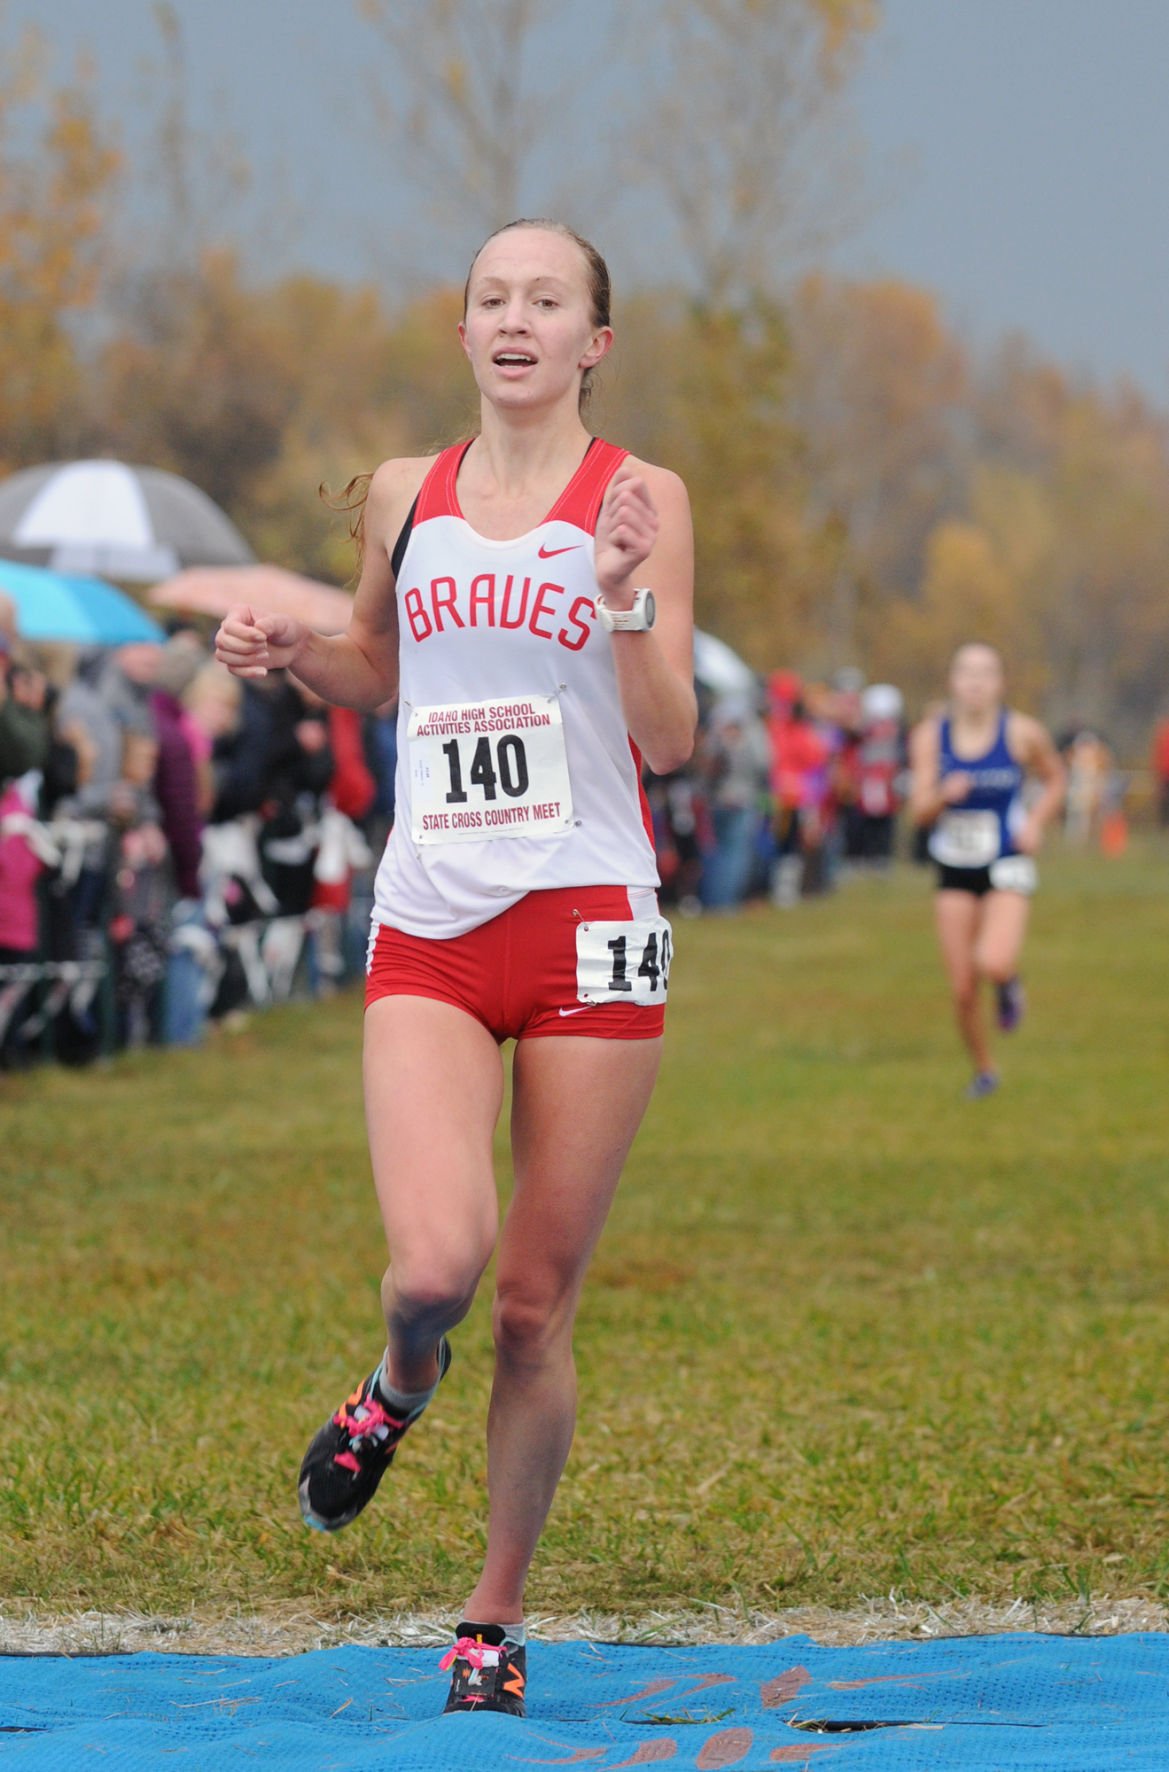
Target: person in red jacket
799, 760
351, 794
1160, 760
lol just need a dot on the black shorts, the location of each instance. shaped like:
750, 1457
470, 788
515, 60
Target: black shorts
976, 881
1011, 873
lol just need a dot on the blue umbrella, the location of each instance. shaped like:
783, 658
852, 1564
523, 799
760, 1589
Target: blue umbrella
53, 606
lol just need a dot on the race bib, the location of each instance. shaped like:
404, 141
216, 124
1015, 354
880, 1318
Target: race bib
1014, 873
484, 769
966, 839
624, 962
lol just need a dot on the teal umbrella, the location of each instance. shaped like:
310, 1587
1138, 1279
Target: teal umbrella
54, 606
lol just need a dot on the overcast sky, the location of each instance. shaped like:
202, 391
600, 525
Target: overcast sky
1034, 137
1015, 149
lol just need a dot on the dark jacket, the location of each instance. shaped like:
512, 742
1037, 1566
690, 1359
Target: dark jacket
176, 788
24, 739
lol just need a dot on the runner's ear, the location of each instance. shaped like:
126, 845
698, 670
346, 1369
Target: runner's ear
602, 342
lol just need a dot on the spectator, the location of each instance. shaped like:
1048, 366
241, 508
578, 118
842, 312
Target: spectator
109, 698
231, 730
212, 717
1090, 766
682, 832
1160, 761
735, 759
278, 763
241, 753
109, 866
848, 722
799, 785
880, 767
20, 869
24, 726
297, 770
35, 766
121, 891
381, 750
352, 786
176, 773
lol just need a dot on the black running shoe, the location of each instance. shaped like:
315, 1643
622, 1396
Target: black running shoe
352, 1453
489, 1672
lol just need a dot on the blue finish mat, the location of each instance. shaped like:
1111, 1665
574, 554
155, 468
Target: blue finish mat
1038, 1704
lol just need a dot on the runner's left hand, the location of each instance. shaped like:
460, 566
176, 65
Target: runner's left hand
1029, 839
627, 529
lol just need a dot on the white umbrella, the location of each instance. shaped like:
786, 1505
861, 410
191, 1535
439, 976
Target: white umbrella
117, 521
719, 668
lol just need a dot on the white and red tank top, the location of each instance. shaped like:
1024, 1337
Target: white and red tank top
516, 772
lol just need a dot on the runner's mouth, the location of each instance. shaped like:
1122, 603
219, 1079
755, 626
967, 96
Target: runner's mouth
513, 360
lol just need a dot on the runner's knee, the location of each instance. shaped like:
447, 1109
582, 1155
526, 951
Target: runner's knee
532, 1317
995, 965
965, 992
438, 1286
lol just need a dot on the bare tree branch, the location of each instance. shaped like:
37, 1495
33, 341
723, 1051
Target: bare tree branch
745, 134
462, 109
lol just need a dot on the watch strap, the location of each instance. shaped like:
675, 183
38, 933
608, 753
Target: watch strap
637, 619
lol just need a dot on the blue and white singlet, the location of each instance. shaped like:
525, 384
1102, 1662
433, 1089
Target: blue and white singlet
981, 829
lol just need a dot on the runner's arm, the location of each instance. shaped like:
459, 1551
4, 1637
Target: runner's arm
1033, 746
357, 669
925, 796
645, 538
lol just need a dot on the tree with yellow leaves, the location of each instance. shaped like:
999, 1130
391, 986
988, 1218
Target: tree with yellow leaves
53, 197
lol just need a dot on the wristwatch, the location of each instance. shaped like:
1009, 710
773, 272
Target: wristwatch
638, 620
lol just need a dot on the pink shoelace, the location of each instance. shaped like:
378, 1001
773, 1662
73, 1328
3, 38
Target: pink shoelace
364, 1427
470, 1649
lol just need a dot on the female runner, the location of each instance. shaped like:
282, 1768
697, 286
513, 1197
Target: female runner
970, 765
528, 595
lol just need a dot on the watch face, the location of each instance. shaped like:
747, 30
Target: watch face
651, 609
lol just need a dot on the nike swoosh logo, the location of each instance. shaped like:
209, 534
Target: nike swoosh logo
579, 1011
548, 553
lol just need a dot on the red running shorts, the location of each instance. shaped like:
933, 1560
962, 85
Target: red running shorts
517, 974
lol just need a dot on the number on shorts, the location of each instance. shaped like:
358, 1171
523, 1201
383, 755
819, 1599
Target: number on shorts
624, 962
620, 980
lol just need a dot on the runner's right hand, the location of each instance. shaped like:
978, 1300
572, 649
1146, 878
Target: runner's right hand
251, 645
955, 787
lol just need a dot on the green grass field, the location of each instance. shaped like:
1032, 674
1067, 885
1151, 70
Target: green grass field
846, 1334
